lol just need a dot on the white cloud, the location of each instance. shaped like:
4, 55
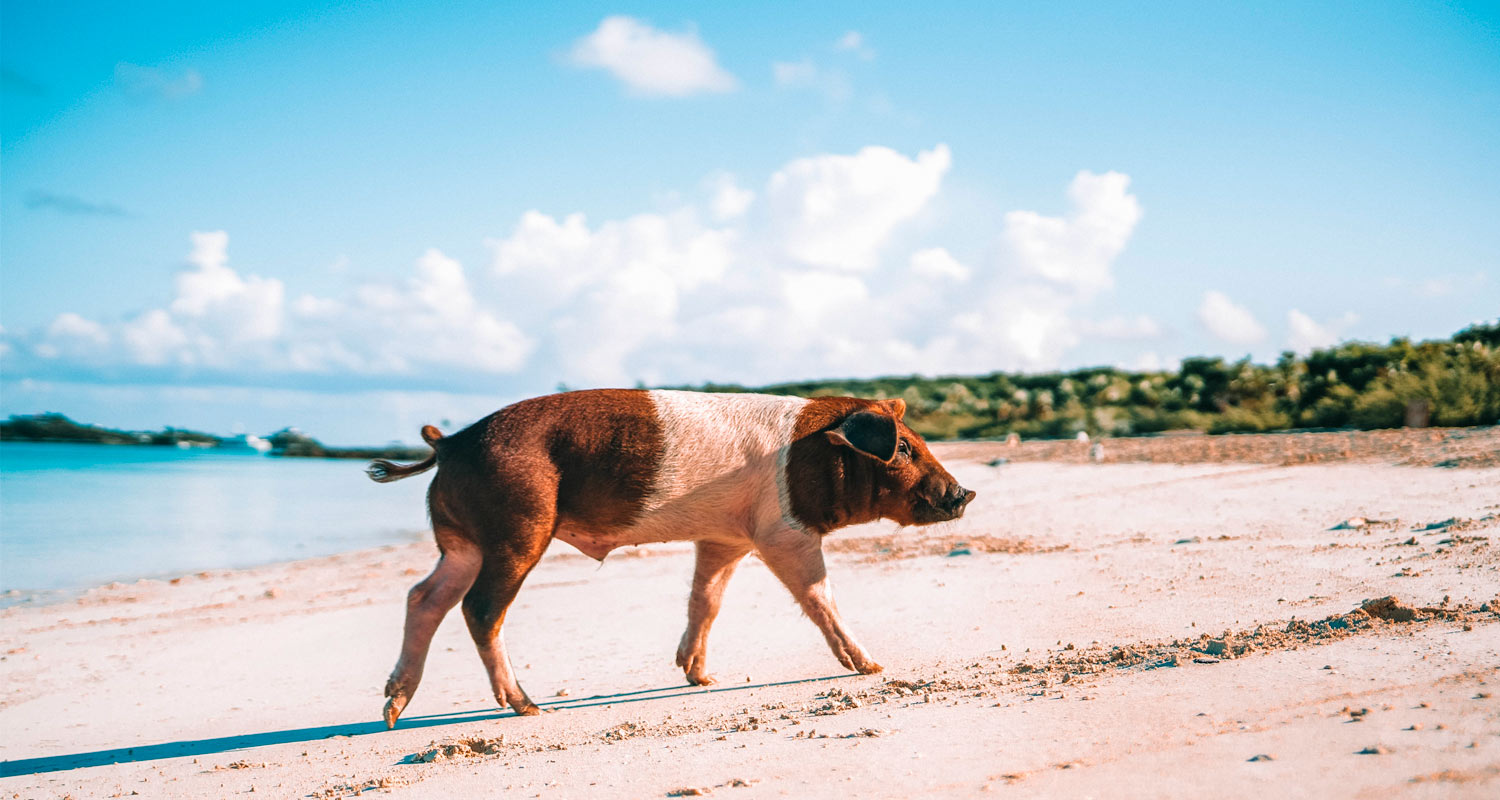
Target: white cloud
1149, 361
606, 293
154, 339
650, 61
1127, 328
235, 308
1078, 250
437, 320
837, 211
221, 320
938, 263
854, 42
68, 325
807, 277
729, 201
1305, 334
157, 81
1229, 321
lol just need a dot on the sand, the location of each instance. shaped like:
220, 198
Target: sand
1235, 629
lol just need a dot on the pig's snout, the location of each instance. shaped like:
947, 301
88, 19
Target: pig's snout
954, 501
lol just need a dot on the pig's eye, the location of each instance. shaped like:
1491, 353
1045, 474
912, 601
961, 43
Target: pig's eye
903, 450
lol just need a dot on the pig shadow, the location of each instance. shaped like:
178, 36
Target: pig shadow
247, 741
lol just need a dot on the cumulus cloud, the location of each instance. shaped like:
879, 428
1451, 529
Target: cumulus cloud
1125, 328
936, 262
71, 334
153, 339
729, 200
219, 320
803, 274
608, 291
1305, 334
1077, 250
837, 211
233, 307
650, 61
1229, 321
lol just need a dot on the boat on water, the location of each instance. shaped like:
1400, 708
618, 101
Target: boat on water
245, 441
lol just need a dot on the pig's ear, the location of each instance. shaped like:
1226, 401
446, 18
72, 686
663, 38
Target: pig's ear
868, 432
896, 406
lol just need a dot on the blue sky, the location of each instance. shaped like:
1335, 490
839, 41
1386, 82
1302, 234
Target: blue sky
357, 218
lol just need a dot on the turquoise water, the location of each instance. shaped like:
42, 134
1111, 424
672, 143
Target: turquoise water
78, 515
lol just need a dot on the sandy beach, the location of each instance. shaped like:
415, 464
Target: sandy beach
1120, 629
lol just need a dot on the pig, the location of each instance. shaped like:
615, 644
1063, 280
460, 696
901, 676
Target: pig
608, 468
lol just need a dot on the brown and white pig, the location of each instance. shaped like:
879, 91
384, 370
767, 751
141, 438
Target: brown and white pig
734, 473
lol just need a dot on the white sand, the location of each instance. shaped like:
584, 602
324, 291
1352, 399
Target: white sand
211, 671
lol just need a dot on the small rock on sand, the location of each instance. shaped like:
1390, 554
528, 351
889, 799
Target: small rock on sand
1374, 750
1389, 608
1262, 757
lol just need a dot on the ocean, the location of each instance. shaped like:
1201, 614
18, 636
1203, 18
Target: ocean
74, 516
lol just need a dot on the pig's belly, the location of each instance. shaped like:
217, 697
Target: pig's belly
671, 524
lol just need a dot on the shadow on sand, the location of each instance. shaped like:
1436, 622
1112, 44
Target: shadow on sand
225, 744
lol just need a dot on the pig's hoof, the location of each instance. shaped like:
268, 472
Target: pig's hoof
528, 709
393, 708
869, 668
702, 679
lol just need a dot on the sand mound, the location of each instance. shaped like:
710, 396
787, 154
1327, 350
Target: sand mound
460, 748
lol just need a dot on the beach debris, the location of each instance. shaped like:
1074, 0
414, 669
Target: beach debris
1391, 609
1262, 757
898, 546
460, 748
960, 549
690, 791
997, 462
356, 789
1374, 750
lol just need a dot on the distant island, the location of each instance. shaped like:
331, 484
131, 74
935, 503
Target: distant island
1453, 382
288, 442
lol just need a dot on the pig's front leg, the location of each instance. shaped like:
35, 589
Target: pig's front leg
715, 564
796, 558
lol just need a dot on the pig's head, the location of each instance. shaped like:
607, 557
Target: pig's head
854, 461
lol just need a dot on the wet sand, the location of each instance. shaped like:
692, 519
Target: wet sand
1088, 629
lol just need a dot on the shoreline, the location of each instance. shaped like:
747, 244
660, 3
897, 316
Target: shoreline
1417, 448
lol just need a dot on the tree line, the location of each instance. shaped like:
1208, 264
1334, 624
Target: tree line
1446, 382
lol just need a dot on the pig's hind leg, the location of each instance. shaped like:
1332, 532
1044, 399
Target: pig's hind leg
426, 605
515, 544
